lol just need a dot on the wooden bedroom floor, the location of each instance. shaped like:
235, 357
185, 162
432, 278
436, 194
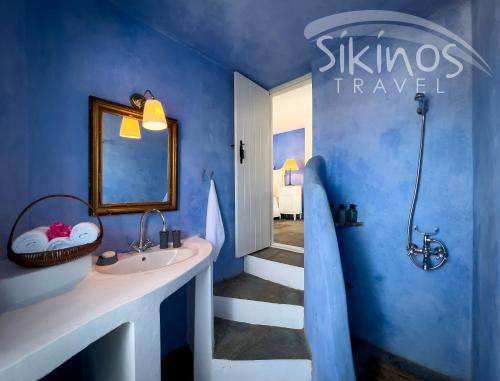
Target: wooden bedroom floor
289, 232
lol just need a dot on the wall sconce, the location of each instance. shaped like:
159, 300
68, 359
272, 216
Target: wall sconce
129, 128
153, 117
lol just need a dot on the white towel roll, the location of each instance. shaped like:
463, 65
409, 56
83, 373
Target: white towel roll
84, 232
32, 241
59, 243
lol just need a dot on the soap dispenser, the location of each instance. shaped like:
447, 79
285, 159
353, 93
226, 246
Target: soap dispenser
164, 238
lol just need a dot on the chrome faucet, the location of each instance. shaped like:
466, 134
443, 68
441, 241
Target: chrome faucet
144, 244
431, 249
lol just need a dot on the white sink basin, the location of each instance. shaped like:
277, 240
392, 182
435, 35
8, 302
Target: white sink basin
151, 259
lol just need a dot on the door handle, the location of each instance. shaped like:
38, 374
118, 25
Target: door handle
242, 152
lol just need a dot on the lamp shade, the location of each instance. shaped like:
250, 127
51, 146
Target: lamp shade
154, 116
129, 128
290, 165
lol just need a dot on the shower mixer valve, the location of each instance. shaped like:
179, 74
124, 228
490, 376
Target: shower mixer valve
433, 251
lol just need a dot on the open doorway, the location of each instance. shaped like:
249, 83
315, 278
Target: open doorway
292, 148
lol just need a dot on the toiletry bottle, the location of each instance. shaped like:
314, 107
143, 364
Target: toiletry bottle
164, 239
351, 214
176, 238
341, 214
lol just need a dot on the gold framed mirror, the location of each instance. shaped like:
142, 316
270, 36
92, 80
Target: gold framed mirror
132, 169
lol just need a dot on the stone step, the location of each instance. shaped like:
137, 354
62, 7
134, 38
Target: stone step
262, 370
249, 299
282, 256
240, 342
250, 287
278, 266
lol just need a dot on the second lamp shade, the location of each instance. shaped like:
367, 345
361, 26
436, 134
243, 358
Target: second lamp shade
154, 116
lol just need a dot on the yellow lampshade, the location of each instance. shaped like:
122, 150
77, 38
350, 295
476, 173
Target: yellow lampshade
154, 116
129, 128
290, 165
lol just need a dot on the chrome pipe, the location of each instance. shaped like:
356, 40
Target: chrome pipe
417, 181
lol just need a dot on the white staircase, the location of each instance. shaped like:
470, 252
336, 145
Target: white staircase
259, 321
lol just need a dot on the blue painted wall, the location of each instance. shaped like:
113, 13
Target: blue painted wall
81, 49
71, 50
13, 145
370, 144
486, 135
290, 145
325, 310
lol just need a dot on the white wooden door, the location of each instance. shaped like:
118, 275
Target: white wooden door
253, 202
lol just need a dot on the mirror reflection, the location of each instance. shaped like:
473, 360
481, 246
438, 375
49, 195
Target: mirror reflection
135, 161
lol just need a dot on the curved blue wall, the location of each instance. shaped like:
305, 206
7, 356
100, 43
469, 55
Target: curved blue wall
326, 321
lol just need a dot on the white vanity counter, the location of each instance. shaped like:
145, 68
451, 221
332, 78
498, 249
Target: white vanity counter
37, 338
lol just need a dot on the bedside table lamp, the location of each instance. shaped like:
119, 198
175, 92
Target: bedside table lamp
290, 165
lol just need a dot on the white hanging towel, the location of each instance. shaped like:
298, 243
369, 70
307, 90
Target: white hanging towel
214, 229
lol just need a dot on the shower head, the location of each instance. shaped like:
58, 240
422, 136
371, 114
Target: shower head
420, 98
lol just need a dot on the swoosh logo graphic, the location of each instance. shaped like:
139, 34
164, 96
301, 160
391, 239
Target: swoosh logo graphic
401, 26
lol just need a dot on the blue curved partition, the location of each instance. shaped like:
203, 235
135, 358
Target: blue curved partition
326, 323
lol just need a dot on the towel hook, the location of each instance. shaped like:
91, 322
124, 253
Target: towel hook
204, 177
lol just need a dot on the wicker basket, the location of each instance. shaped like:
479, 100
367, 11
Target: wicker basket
54, 257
